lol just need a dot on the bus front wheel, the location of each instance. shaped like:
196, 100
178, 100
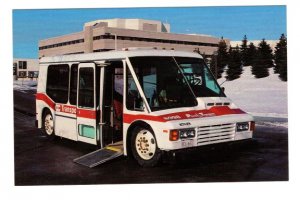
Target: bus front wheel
48, 124
144, 147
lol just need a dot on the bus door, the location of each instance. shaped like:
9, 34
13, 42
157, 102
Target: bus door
112, 106
86, 103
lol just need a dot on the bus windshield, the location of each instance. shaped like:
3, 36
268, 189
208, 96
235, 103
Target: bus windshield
199, 77
163, 83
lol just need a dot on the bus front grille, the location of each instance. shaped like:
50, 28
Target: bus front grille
215, 134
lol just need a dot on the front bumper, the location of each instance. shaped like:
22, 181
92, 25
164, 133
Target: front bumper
216, 148
209, 135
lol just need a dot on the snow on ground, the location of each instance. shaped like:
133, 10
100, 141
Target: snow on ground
263, 98
23, 85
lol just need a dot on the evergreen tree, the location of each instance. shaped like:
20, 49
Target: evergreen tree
266, 53
213, 66
205, 57
251, 53
280, 58
234, 63
221, 57
244, 51
197, 50
263, 60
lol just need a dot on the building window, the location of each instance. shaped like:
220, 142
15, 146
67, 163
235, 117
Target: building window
30, 74
79, 52
22, 74
155, 40
15, 68
58, 83
33, 74
62, 44
22, 64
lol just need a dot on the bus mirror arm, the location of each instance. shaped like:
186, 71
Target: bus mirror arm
144, 105
223, 89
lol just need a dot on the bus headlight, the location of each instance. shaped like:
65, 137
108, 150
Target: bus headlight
187, 133
242, 126
182, 134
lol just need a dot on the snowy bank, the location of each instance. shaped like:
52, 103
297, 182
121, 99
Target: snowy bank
264, 97
24, 85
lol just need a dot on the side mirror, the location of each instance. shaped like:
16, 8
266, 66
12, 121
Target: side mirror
223, 89
198, 80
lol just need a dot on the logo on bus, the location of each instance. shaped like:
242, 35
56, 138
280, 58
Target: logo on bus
173, 117
65, 109
199, 115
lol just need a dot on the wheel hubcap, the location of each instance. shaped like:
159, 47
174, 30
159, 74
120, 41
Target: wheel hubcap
48, 124
145, 144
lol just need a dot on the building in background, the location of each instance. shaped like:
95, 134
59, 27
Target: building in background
111, 34
26, 69
272, 43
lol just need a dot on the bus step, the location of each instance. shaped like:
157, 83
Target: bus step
100, 156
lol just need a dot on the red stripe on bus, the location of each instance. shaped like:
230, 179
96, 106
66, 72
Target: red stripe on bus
129, 118
91, 114
46, 99
225, 110
214, 111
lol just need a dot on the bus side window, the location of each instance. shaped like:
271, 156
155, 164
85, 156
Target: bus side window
58, 83
86, 88
73, 84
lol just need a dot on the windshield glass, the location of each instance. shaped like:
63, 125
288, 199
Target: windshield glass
163, 83
199, 77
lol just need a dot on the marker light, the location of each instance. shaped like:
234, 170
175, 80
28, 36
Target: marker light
174, 135
252, 126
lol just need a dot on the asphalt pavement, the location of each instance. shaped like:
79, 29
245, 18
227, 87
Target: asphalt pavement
39, 161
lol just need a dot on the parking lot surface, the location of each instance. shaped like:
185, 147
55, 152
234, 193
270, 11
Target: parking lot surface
39, 161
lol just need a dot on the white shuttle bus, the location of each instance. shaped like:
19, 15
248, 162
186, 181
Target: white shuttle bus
137, 102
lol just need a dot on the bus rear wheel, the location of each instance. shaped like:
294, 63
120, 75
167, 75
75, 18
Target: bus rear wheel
48, 124
144, 147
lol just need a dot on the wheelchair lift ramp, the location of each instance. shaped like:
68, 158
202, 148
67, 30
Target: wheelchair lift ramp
101, 155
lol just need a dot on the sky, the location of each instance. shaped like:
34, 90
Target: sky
233, 22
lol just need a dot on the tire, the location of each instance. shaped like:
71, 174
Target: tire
48, 125
144, 147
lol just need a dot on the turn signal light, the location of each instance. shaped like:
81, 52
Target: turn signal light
252, 126
174, 135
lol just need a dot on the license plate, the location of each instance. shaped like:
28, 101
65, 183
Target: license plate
187, 143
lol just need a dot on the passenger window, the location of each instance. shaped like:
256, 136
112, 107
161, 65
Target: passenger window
133, 99
86, 87
58, 83
73, 84
150, 85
